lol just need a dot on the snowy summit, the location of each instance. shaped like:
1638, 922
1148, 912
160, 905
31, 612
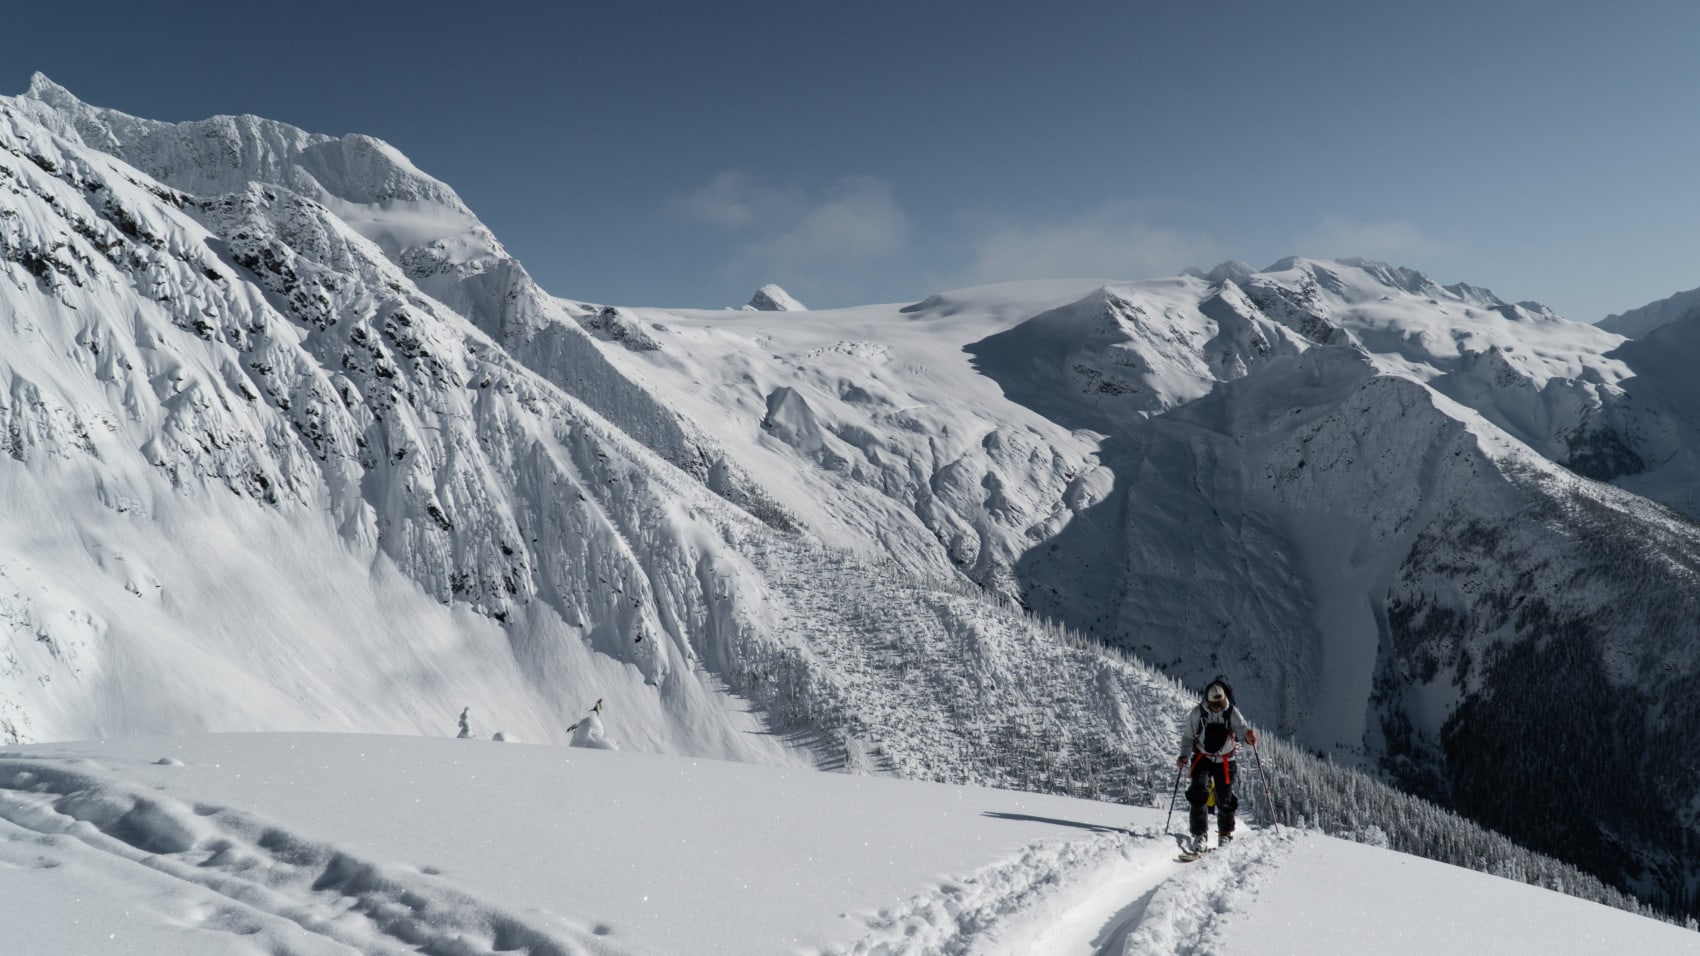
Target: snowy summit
771, 298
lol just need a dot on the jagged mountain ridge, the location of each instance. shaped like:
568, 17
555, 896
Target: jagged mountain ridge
361, 510
1028, 437
422, 227
1255, 472
252, 344
1636, 323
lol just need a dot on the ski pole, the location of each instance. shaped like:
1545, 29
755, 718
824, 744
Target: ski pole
1268, 799
1173, 797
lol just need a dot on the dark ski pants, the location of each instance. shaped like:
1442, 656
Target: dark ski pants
1203, 771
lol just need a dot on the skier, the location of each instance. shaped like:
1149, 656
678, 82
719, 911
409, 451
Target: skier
595, 711
1208, 741
588, 731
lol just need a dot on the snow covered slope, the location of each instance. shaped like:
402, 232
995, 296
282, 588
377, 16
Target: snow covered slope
251, 466
417, 223
275, 461
291, 442
1636, 323
1294, 475
330, 843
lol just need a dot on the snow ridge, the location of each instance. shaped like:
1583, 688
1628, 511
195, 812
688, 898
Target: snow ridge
258, 881
1636, 323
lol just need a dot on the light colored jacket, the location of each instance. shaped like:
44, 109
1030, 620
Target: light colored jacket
1192, 735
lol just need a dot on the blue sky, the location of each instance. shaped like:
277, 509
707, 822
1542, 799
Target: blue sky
683, 153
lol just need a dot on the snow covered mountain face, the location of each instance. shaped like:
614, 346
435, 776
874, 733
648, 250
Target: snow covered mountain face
257, 476
1638, 322
1370, 499
291, 442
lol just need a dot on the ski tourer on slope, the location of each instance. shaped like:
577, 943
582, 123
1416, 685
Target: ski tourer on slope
1208, 742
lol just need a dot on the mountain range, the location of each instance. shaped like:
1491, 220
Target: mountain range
292, 442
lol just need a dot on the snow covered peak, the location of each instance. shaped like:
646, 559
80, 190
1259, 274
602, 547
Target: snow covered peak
51, 93
1232, 269
1475, 295
1539, 310
771, 298
1360, 281
366, 182
1636, 323
1398, 277
221, 154
418, 222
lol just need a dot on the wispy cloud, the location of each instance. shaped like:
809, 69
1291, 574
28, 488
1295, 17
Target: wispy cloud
732, 201
1395, 241
857, 221
788, 234
1114, 241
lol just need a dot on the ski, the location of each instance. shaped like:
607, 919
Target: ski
1187, 856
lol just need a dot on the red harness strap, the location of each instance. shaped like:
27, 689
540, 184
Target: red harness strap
1223, 759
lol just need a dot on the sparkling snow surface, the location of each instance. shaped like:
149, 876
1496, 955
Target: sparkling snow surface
331, 844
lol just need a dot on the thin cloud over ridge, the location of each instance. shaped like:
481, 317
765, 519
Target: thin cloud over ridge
1113, 241
788, 235
1393, 240
825, 242
732, 200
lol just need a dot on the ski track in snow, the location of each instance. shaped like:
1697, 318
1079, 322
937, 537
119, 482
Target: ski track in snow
279, 892
1184, 915
1114, 895
232, 873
